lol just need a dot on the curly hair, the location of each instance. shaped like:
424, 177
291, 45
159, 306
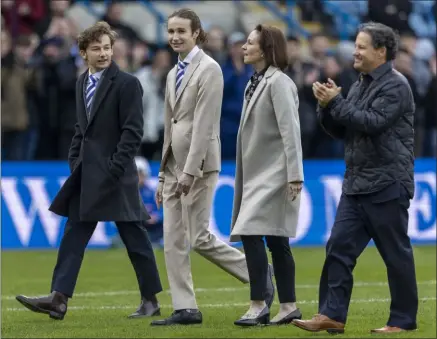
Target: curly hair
94, 34
186, 13
382, 36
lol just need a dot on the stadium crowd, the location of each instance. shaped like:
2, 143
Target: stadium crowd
41, 62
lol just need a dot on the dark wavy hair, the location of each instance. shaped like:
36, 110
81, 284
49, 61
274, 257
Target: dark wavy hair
382, 36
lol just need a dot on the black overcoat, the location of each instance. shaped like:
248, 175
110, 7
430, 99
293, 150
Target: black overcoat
101, 156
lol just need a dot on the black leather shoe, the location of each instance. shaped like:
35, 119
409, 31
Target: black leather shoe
262, 319
55, 304
270, 292
181, 317
296, 314
146, 309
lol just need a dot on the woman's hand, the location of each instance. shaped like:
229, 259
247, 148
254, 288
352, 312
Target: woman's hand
294, 188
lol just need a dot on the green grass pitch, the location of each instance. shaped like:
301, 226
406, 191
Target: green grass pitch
107, 292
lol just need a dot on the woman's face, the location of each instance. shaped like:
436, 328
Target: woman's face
251, 49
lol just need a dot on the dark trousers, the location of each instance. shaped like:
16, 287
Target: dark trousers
283, 266
71, 251
360, 219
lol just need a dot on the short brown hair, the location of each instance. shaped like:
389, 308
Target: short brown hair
95, 33
274, 46
186, 13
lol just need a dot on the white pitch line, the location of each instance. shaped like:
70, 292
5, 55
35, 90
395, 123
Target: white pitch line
219, 289
122, 307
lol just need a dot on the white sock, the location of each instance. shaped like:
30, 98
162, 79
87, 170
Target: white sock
255, 309
284, 310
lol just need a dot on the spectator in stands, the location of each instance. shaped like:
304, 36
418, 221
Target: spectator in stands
236, 74
56, 104
122, 49
154, 224
303, 72
113, 16
404, 64
57, 11
215, 46
15, 79
140, 55
152, 79
391, 13
21, 16
430, 104
319, 45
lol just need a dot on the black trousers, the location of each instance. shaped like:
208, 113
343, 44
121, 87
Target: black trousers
283, 266
71, 251
359, 219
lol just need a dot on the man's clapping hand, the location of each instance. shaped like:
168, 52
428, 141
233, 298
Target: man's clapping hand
324, 93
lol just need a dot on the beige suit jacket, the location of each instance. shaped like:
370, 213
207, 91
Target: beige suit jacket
192, 118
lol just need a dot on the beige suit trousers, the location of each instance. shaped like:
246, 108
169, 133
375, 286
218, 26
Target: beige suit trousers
186, 226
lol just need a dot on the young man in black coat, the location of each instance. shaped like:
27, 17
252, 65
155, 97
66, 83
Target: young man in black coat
103, 185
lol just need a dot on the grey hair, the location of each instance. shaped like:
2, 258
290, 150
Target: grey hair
382, 36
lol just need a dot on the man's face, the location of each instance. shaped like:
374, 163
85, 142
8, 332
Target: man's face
59, 7
367, 58
319, 45
6, 43
293, 50
215, 40
403, 63
99, 53
236, 50
24, 53
120, 49
180, 37
115, 12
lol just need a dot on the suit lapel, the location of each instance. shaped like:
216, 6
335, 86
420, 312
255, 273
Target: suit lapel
259, 89
243, 111
172, 86
82, 117
102, 89
192, 66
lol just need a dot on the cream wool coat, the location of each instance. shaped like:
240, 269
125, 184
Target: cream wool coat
269, 155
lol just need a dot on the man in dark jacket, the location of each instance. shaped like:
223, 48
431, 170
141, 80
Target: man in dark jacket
376, 123
103, 185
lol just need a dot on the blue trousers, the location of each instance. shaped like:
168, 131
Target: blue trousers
359, 219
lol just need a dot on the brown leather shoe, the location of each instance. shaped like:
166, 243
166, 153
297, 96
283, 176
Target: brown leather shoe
55, 304
387, 329
319, 323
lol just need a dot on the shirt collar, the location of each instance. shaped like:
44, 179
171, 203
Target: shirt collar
381, 70
191, 55
96, 75
259, 74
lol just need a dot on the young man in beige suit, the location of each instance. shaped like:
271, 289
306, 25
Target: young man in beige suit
190, 166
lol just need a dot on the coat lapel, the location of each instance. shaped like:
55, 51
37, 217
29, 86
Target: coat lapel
259, 89
188, 74
243, 111
82, 118
172, 86
102, 89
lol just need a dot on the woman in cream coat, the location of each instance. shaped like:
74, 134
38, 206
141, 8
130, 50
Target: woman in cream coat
269, 175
